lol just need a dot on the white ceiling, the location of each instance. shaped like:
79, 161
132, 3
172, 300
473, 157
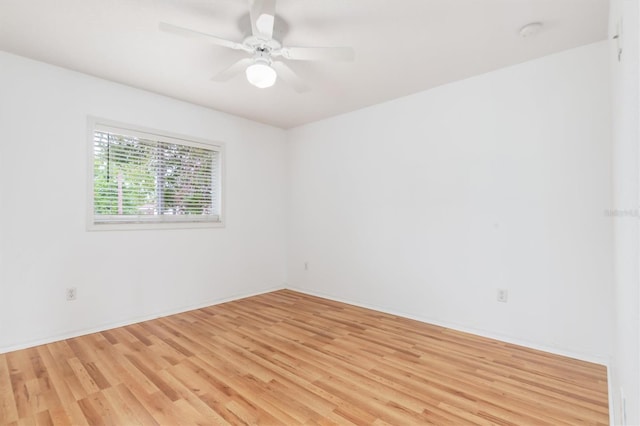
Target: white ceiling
402, 46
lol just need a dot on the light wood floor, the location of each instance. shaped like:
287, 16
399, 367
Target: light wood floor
285, 358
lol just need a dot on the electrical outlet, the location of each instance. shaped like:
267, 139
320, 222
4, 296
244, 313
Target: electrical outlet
72, 293
503, 295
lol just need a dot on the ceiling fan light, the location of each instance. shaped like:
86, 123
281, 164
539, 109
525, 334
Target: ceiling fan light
261, 75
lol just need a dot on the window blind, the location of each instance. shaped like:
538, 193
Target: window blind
140, 177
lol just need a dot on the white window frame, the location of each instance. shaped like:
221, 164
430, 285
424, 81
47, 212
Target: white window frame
154, 222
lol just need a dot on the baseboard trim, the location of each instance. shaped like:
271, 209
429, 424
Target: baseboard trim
211, 302
108, 326
602, 360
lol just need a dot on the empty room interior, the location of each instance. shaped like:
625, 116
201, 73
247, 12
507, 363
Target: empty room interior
319, 212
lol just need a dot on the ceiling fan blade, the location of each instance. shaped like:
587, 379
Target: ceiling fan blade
263, 15
186, 32
232, 71
317, 53
290, 77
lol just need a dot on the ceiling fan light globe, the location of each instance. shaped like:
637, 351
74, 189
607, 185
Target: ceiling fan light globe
261, 75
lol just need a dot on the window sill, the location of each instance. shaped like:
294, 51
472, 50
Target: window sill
150, 226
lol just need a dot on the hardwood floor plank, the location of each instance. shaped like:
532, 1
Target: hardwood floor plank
59, 416
121, 396
286, 358
85, 379
66, 378
206, 414
8, 406
90, 412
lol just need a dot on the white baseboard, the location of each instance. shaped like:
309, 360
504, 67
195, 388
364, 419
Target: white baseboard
108, 326
602, 360
508, 339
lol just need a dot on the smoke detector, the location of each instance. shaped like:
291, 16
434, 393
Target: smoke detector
530, 29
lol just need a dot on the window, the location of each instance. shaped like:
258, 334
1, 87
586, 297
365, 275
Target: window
142, 177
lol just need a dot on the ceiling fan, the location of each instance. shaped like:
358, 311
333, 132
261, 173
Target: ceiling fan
262, 66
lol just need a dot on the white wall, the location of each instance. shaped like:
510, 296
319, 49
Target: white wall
425, 205
120, 276
625, 371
